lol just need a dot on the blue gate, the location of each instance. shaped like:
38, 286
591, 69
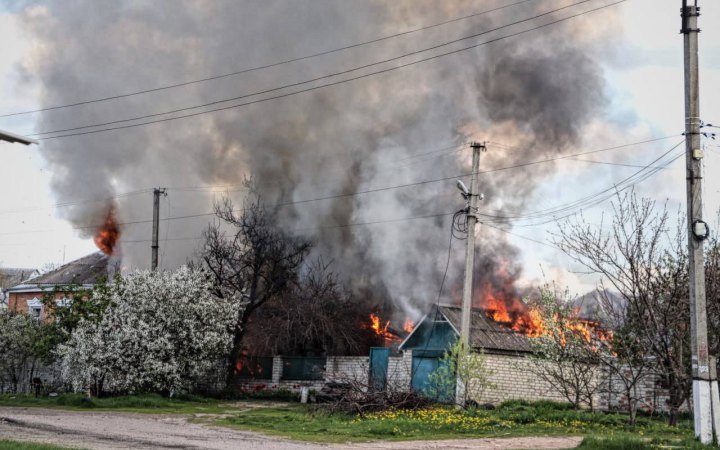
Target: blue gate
379, 358
422, 367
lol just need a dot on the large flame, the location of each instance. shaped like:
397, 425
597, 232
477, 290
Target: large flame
107, 237
514, 314
510, 312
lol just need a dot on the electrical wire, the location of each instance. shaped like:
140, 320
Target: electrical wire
315, 79
580, 202
266, 66
368, 191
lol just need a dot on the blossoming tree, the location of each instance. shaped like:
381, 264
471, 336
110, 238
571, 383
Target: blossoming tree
163, 332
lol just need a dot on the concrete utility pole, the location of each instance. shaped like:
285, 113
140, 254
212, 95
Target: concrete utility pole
697, 230
156, 225
472, 202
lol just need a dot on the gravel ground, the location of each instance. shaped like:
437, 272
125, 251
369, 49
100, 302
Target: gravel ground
111, 430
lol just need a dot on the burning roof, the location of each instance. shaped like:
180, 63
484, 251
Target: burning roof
484, 333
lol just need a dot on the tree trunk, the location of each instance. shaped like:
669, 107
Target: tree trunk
632, 410
673, 420
235, 354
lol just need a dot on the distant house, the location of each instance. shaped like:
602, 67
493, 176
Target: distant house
82, 273
10, 277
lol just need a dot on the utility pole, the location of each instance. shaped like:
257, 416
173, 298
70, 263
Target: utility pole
697, 230
156, 225
473, 198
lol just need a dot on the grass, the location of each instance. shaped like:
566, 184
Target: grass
602, 431
15, 445
515, 418
142, 403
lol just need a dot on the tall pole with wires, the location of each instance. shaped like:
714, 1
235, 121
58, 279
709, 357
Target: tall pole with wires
697, 230
157, 192
473, 197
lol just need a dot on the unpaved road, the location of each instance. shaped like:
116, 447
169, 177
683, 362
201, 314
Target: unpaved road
112, 430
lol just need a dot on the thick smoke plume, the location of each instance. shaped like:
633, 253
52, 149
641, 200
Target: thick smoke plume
535, 92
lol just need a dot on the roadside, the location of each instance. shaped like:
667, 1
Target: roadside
114, 430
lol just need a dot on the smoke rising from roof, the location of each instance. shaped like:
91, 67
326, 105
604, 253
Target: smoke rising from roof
536, 92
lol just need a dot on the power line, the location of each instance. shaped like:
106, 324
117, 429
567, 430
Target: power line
608, 163
385, 221
387, 188
266, 66
520, 236
590, 200
315, 79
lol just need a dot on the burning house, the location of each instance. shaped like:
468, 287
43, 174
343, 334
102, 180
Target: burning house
505, 349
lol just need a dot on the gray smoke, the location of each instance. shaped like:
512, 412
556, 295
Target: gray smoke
536, 92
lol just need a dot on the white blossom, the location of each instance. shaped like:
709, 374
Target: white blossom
163, 331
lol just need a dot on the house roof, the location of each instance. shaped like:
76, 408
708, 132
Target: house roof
12, 276
87, 270
485, 333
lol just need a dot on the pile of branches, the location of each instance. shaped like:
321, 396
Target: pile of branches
355, 398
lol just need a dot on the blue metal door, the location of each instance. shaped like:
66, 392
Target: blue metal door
422, 367
379, 358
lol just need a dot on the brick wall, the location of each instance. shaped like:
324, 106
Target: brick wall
513, 380
18, 301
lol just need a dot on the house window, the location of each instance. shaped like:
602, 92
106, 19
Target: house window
35, 308
63, 302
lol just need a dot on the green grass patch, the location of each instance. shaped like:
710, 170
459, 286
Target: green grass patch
640, 443
143, 403
15, 445
508, 420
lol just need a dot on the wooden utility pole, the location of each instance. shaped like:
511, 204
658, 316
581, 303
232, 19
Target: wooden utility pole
472, 207
697, 230
156, 225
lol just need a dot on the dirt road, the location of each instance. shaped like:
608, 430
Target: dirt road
111, 430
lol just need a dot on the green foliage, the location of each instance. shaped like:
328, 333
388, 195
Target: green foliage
67, 306
19, 349
513, 418
467, 367
282, 394
625, 442
147, 403
16, 445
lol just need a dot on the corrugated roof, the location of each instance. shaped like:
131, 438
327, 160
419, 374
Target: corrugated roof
87, 270
486, 334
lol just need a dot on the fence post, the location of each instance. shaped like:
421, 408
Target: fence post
407, 367
277, 368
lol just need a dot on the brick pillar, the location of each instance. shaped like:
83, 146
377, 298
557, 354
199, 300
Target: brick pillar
277, 368
407, 367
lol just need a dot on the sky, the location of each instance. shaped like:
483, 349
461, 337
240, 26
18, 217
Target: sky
643, 71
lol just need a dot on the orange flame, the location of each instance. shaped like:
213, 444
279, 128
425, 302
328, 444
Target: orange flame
408, 325
510, 312
376, 324
108, 236
516, 315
